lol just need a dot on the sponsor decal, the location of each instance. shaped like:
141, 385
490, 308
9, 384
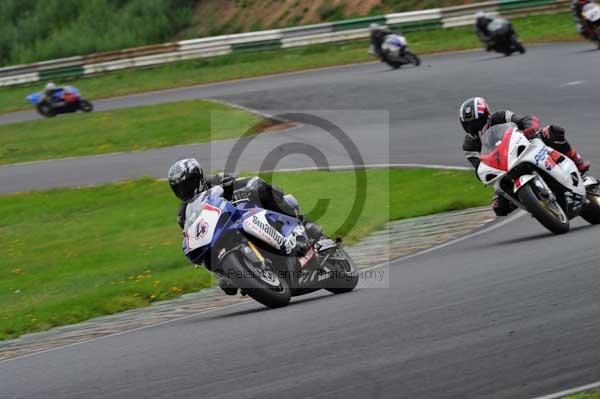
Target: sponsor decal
541, 155
201, 228
268, 231
291, 240
310, 253
518, 183
549, 164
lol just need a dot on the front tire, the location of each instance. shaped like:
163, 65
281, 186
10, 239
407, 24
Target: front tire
235, 267
45, 109
548, 213
348, 278
86, 106
413, 58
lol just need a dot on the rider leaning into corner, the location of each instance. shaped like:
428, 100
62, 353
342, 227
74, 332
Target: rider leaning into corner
481, 28
378, 35
482, 21
585, 28
49, 90
476, 118
187, 181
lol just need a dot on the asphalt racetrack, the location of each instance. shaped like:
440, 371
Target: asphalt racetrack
512, 312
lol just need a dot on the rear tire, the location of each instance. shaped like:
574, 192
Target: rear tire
233, 266
531, 199
591, 210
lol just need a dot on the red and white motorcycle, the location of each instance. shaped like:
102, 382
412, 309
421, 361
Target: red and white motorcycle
537, 178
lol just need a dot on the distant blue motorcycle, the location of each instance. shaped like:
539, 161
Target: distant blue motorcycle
258, 251
64, 100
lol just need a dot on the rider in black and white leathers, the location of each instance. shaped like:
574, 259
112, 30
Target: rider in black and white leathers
253, 188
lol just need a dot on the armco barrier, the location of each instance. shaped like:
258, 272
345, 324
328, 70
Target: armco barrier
358, 23
352, 29
416, 20
520, 4
331, 37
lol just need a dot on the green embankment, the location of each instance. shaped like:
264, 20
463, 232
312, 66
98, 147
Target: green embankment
549, 27
127, 129
72, 254
589, 395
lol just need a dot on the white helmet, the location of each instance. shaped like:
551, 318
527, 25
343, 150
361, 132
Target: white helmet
50, 86
375, 27
480, 14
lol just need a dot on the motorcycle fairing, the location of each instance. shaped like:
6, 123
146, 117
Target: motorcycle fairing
514, 150
260, 223
394, 43
71, 91
200, 233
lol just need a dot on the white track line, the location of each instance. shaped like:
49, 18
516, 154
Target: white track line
572, 391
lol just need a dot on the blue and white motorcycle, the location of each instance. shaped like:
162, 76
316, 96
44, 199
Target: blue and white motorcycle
396, 52
267, 255
65, 100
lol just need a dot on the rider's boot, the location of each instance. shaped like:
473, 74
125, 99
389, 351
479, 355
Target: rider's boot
502, 206
582, 165
227, 286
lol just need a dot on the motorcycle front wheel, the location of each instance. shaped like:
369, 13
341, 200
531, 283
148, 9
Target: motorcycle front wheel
86, 106
263, 286
45, 109
546, 210
346, 277
413, 58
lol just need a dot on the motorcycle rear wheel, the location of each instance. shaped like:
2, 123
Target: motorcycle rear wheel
242, 275
548, 213
591, 209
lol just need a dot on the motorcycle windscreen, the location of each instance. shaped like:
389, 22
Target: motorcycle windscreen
495, 143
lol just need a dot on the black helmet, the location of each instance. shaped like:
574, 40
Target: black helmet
186, 179
474, 115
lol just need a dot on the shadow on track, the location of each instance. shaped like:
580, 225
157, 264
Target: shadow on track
544, 235
495, 58
586, 51
243, 312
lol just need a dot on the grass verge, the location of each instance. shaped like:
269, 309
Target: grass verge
73, 254
548, 27
586, 395
126, 129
